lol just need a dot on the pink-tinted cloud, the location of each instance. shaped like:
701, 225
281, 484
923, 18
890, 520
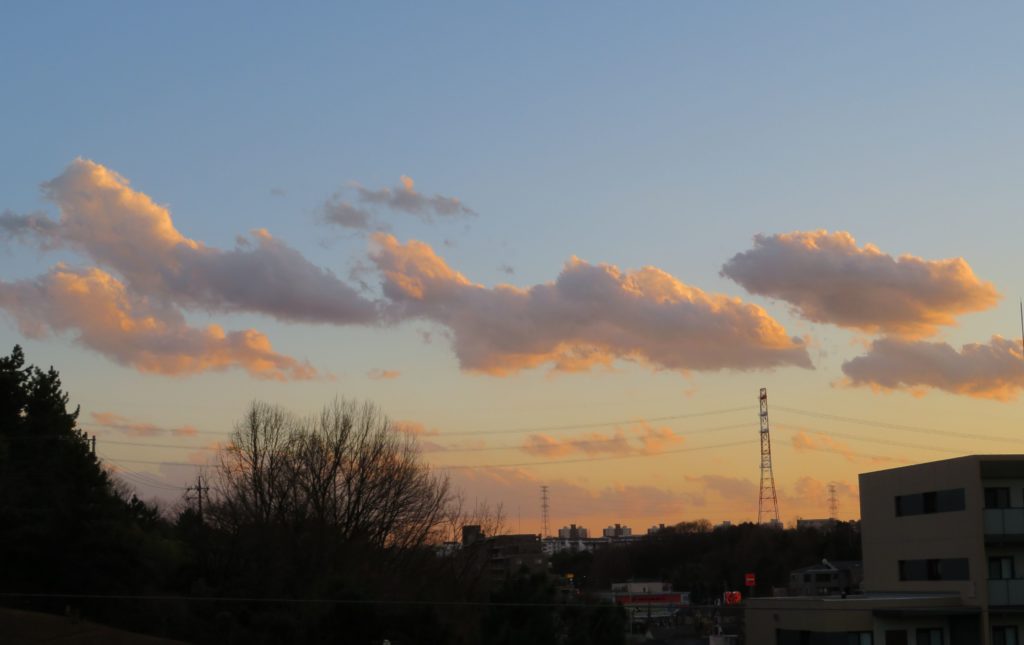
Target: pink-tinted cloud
827, 278
124, 230
378, 374
113, 421
643, 439
804, 441
994, 370
590, 316
135, 331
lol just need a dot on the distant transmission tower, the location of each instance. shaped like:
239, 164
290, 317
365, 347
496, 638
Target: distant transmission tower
544, 508
768, 503
833, 503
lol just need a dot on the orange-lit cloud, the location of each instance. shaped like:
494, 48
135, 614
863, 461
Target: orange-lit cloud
994, 370
112, 421
378, 374
820, 442
124, 230
643, 439
135, 331
827, 278
590, 316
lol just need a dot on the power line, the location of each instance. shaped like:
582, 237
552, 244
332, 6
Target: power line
885, 442
478, 466
580, 442
575, 426
894, 426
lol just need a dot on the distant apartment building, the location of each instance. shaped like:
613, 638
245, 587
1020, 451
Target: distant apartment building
943, 558
573, 532
511, 555
618, 531
654, 530
818, 524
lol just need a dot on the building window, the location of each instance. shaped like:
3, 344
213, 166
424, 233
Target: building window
1000, 567
895, 637
934, 569
1004, 635
997, 498
938, 501
929, 636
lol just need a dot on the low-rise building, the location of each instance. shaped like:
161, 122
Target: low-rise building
943, 549
826, 579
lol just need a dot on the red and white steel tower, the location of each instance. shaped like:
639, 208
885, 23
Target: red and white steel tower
768, 503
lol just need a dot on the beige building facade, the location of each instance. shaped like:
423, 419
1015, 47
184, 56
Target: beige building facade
943, 552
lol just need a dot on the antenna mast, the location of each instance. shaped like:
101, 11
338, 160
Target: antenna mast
768, 503
544, 511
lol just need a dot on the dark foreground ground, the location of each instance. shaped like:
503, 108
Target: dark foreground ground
17, 627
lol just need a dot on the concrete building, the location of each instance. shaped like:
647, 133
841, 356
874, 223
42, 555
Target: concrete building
511, 555
943, 543
825, 524
826, 579
618, 531
573, 532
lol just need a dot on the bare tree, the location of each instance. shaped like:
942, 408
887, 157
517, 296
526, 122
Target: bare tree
346, 474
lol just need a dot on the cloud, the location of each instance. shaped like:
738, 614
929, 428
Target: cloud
642, 439
378, 374
134, 331
406, 199
278, 192
340, 212
590, 315
402, 198
994, 370
112, 421
820, 442
827, 278
415, 428
730, 489
35, 227
124, 230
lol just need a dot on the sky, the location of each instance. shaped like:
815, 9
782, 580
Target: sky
562, 245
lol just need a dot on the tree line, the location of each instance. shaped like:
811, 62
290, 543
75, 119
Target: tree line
316, 529
320, 528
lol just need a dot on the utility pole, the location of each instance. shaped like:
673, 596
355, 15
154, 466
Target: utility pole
93, 445
768, 501
200, 489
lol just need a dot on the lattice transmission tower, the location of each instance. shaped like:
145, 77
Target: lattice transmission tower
544, 508
833, 502
768, 502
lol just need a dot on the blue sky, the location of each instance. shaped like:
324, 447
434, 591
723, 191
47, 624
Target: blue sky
662, 134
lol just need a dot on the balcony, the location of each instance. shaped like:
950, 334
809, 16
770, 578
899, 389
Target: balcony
1006, 592
1004, 522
